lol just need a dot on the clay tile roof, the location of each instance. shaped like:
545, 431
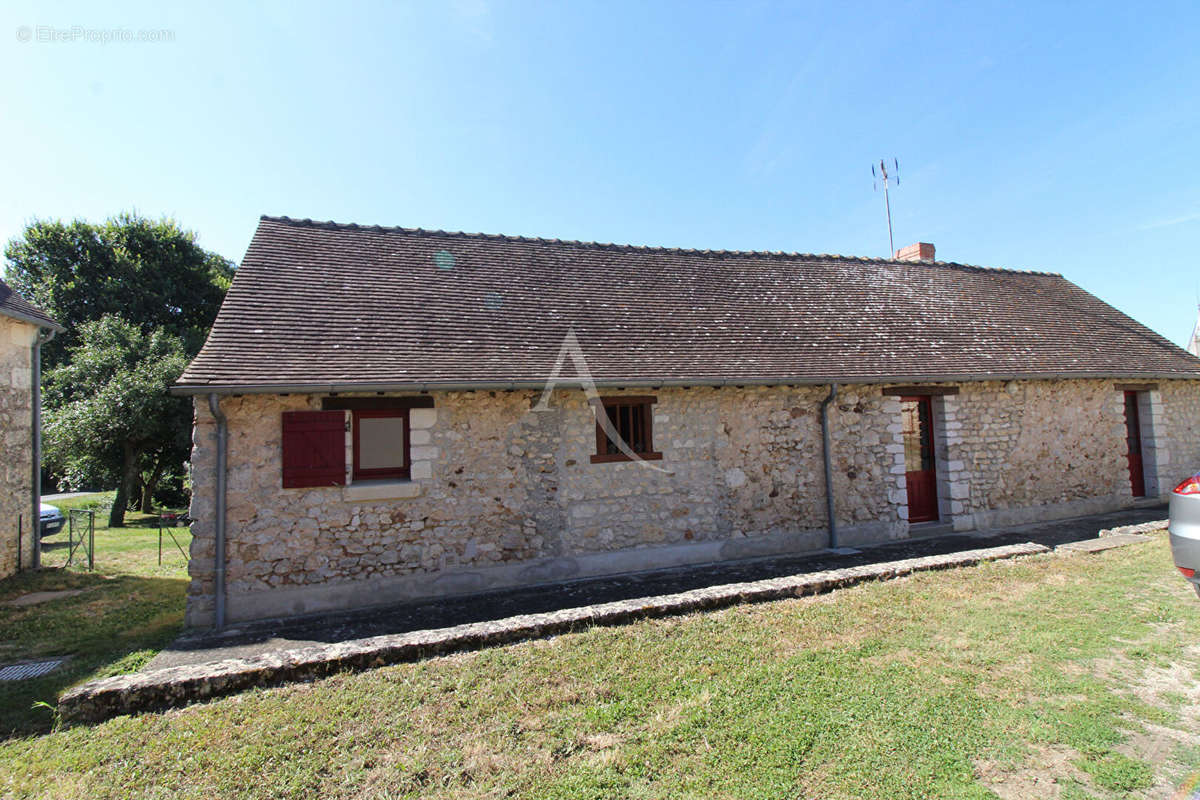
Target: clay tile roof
17, 307
323, 305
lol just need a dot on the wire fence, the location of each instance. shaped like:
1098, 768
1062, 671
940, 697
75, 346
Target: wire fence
81, 539
167, 522
81, 535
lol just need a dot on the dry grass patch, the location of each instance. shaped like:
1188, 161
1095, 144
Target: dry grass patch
1043, 776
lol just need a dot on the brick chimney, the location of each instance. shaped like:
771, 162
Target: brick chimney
921, 251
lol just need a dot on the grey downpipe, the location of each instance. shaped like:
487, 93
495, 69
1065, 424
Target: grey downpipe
35, 527
828, 459
214, 405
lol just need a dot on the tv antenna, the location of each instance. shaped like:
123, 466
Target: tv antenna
884, 176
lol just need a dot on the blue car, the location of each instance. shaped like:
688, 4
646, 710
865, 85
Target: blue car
52, 520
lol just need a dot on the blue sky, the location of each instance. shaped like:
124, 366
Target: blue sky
1044, 136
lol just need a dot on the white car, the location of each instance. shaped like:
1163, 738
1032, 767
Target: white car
52, 520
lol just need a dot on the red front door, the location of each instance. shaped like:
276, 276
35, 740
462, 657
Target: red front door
1133, 445
920, 473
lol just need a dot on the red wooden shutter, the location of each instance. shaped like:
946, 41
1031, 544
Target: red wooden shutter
314, 448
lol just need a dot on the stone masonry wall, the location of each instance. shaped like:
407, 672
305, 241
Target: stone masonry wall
1024, 444
16, 478
498, 485
1015, 451
1178, 414
744, 463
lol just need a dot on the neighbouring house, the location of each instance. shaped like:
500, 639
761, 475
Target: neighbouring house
23, 329
370, 423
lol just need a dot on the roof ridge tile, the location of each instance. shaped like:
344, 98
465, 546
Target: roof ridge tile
780, 254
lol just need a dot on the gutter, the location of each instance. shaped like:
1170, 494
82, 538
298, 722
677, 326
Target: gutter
214, 405
575, 383
827, 457
44, 335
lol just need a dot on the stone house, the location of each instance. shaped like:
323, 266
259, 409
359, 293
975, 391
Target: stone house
23, 329
386, 413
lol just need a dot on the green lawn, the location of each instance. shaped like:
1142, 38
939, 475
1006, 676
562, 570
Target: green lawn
130, 550
1067, 677
129, 608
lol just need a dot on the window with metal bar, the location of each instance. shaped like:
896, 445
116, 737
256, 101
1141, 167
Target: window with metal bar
631, 418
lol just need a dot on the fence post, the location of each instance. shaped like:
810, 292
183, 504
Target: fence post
20, 538
70, 536
160, 539
92, 541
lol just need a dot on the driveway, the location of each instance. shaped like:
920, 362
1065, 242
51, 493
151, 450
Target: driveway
50, 498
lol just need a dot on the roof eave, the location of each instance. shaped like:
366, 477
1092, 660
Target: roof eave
611, 383
32, 320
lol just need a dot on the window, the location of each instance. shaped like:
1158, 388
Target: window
314, 442
381, 444
632, 419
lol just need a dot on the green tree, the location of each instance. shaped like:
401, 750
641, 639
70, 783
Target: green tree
108, 409
150, 273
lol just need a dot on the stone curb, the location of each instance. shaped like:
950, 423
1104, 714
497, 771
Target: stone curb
1099, 545
176, 686
1145, 527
